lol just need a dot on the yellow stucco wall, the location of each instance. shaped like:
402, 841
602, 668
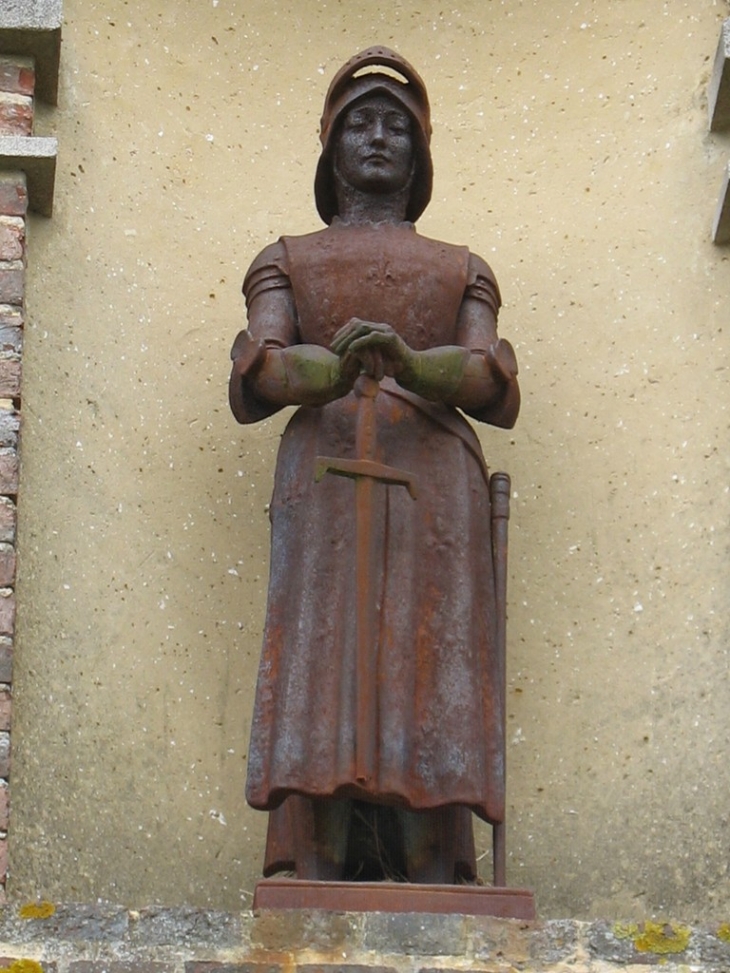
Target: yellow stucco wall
571, 151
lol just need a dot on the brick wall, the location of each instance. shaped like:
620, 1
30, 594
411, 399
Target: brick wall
17, 81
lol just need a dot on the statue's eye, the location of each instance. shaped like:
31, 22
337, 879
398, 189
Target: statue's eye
357, 120
398, 124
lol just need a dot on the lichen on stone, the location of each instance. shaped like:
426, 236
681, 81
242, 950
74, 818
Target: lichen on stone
662, 938
22, 966
36, 910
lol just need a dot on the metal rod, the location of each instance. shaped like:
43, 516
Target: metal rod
499, 491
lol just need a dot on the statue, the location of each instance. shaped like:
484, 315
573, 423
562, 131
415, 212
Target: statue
377, 728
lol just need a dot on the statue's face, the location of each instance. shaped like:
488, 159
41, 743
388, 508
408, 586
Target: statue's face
375, 147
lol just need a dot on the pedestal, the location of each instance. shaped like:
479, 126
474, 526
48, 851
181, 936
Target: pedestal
470, 900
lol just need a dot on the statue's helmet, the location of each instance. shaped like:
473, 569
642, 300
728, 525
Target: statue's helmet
353, 82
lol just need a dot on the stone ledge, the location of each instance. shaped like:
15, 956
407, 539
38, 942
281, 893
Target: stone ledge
33, 28
36, 157
718, 93
98, 938
721, 225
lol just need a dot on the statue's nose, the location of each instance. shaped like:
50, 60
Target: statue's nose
377, 135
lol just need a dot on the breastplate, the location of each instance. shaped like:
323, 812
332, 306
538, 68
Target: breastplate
378, 272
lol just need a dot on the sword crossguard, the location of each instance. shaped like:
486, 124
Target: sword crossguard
357, 468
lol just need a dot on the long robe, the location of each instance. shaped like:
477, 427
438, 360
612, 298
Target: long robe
437, 718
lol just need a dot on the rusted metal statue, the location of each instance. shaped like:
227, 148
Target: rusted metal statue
378, 723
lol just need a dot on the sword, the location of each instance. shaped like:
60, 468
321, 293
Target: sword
366, 470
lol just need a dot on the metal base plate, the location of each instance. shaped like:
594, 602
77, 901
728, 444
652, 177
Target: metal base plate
470, 900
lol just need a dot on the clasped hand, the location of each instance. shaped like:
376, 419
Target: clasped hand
371, 347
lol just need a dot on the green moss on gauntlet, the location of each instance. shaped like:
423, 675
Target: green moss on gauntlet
313, 375
436, 373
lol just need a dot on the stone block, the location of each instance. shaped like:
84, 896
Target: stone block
26, 965
343, 968
17, 75
10, 369
16, 114
77, 923
36, 157
555, 942
494, 938
421, 934
303, 929
210, 967
718, 93
711, 950
4, 805
157, 926
8, 472
120, 966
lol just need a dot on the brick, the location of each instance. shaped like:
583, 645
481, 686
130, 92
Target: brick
10, 369
8, 522
17, 74
9, 428
12, 282
13, 194
4, 754
10, 316
11, 340
6, 705
7, 614
8, 472
16, 114
6, 659
4, 805
12, 237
